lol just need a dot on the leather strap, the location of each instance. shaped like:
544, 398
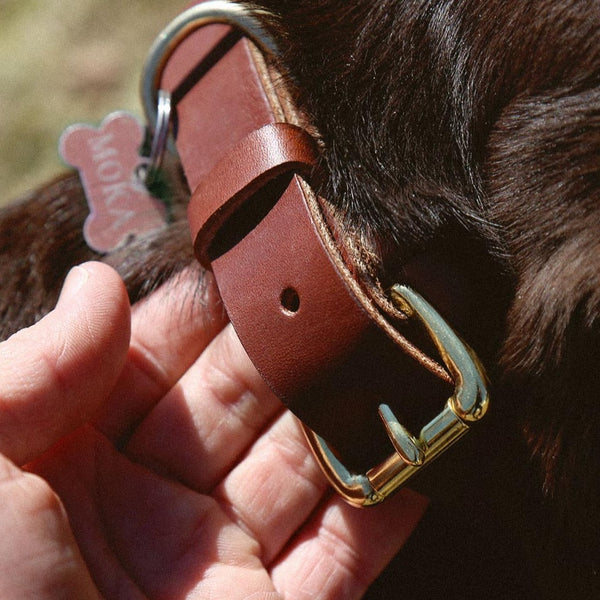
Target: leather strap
321, 339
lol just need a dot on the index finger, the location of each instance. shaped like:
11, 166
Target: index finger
169, 330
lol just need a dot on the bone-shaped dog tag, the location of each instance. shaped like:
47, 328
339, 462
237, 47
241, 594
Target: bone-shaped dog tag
107, 159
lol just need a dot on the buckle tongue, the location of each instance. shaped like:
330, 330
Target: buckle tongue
467, 405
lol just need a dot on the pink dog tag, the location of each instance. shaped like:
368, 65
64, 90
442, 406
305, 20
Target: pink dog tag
106, 158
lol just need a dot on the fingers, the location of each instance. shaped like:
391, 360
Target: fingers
202, 426
170, 329
275, 488
55, 374
272, 494
343, 549
145, 536
38, 554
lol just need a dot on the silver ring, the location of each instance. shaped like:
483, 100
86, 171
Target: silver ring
245, 18
159, 136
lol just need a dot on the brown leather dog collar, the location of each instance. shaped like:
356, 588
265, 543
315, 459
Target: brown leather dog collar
334, 348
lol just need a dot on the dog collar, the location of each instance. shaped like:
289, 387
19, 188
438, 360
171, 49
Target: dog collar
333, 347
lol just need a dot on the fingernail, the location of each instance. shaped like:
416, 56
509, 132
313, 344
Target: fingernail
74, 281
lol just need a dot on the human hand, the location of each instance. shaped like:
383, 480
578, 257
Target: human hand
160, 465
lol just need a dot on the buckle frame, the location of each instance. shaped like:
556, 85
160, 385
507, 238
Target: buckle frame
468, 404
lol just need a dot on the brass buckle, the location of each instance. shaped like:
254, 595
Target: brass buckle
468, 404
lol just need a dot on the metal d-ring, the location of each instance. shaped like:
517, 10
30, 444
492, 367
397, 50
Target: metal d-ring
247, 19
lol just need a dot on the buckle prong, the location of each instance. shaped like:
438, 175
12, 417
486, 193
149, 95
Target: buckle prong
468, 404
407, 446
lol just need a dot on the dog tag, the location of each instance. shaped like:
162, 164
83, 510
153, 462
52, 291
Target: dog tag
108, 161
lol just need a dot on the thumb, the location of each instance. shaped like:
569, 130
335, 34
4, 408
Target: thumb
55, 374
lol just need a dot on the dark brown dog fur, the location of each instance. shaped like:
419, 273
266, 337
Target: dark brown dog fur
464, 134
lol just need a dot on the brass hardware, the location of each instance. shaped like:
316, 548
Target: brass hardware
467, 405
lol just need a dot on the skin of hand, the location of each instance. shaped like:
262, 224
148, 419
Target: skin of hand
142, 456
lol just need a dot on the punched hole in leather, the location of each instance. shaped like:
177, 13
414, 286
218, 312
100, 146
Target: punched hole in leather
310, 327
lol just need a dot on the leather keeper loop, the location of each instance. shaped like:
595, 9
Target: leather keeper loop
258, 158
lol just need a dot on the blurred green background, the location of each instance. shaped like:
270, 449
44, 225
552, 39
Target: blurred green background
66, 61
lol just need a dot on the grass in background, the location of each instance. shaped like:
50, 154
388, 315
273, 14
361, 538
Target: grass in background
62, 62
